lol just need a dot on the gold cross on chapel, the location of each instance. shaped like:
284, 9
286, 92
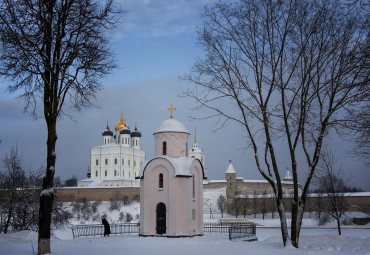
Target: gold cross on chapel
171, 109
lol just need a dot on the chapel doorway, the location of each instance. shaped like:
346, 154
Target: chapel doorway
161, 218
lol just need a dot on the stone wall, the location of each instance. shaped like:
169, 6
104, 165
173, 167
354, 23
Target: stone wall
97, 194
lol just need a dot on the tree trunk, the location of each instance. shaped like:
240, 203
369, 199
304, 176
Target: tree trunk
47, 194
339, 228
283, 223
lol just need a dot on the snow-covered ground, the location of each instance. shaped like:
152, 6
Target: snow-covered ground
314, 239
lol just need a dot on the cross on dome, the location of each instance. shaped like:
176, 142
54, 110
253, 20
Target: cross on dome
171, 109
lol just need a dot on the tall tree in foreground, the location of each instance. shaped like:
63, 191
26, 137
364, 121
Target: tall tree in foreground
56, 50
287, 72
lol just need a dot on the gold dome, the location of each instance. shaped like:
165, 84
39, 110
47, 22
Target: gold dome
121, 124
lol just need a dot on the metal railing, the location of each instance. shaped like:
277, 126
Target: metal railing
98, 229
133, 228
243, 232
216, 228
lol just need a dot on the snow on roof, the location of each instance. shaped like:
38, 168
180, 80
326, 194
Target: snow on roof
171, 125
109, 145
181, 165
288, 176
230, 169
216, 181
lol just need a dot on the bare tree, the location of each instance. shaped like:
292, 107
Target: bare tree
330, 182
55, 50
12, 180
286, 71
244, 204
221, 204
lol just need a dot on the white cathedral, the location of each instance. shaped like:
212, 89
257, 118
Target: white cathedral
117, 162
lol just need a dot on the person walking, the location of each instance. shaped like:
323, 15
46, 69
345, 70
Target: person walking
106, 227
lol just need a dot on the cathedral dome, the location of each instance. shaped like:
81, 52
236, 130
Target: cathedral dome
125, 130
121, 124
135, 133
171, 125
107, 132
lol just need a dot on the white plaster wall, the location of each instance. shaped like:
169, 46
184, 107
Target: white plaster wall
116, 152
176, 144
176, 195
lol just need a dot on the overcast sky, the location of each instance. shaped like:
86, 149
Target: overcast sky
156, 43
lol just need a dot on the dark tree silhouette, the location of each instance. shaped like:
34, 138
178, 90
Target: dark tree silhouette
287, 72
56, 51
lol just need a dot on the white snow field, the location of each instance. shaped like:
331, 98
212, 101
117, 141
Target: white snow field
313, 241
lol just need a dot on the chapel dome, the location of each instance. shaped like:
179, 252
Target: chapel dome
171, 125
135, 133
125, 130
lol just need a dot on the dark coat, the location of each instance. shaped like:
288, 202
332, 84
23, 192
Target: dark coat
106, 227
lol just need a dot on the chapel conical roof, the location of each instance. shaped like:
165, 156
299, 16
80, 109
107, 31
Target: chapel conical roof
230, 169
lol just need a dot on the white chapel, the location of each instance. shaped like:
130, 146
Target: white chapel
117, 162
171, 186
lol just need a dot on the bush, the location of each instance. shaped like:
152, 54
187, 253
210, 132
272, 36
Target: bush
325, 218
129, 217
346, 220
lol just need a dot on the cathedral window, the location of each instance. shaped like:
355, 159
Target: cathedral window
106, 173
97, 162
115, 161
164, 148
115, 172
160, 184
134, 163
123, 161
123, 173
106, 161
129, 162
96, 174
186, 149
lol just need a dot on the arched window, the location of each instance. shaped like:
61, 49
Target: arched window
164, 148
115, 161
106, 173
160, 184
115, 172
106, 161
97, 162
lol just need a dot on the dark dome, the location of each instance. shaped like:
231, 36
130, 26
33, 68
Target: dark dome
125, 130
107, 131
135, 133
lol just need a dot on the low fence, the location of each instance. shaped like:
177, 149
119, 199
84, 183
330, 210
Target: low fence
243, 232
217, 228
98, 229
133, 228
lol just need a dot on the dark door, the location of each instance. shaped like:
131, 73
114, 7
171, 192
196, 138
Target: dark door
161, 219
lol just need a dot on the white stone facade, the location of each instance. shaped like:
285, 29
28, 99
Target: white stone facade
171, 186
117, 162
